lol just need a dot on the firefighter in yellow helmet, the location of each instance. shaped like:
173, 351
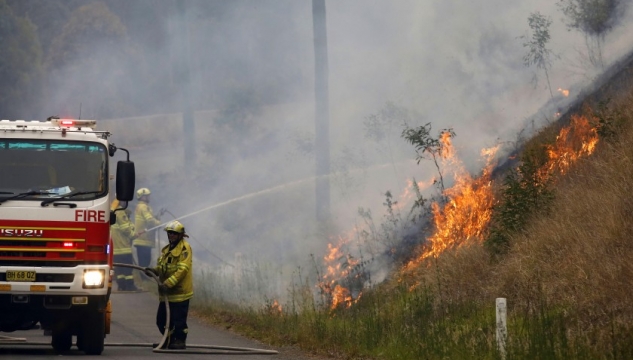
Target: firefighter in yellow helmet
122, 235
144, 219
174, 270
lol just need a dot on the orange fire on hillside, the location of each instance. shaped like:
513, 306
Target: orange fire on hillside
465, 216
464, 219
564, 92
274, 308
577, 140
339, 265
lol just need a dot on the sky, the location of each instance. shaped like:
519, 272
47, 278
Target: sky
454, 64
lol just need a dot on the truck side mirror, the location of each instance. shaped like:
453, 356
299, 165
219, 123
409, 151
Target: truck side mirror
112, 218
125, 180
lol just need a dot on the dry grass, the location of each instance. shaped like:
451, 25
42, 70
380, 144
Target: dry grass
576, 259
567, 278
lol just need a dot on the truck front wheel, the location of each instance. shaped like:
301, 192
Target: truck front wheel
61, 340
92, 336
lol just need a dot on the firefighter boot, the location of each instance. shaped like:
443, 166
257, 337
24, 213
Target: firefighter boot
165, 345
121, 284
129, 285
177, 344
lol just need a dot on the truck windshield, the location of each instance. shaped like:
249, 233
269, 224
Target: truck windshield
52, 168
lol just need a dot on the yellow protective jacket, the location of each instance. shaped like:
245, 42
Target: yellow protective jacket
122, 233
174, 268
144, 219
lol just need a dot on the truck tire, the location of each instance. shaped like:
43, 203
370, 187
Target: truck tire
93, 333
61, 340
80, 345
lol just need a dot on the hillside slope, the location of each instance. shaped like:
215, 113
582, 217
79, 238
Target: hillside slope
566, 272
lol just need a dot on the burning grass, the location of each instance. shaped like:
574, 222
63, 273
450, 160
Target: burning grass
568, 273
567, 270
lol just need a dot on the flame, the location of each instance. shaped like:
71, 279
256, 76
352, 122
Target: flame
341, 295
565, 92
274, 308
447, 151
577, 140
465, 217
339, 266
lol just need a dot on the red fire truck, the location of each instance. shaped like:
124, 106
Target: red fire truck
55, 246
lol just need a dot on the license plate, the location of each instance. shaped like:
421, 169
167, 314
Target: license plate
20, 275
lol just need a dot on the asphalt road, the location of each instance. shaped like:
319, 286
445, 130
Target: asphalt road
133, 330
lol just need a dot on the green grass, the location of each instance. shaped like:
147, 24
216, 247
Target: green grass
397, 323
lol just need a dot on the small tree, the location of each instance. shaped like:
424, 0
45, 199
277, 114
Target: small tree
538, 53
594, 18
436, 148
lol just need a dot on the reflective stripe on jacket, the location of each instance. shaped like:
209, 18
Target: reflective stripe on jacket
174, 269
144, 219
122, 234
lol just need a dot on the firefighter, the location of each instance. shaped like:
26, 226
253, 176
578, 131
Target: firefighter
144, 219
122, 237
176, 282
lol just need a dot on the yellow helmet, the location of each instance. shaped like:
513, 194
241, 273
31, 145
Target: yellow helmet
176, 226
114, 205
142, 192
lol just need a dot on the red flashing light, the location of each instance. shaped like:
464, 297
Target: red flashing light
74, 123
68, 245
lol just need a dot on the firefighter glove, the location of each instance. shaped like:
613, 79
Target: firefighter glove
162, 288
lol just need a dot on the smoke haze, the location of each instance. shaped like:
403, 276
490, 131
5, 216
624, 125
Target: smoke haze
455, 64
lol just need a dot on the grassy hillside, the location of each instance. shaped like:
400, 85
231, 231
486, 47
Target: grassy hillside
558, 247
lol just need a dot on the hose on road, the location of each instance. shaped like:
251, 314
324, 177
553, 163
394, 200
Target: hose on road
204, 349
211, 349
155, 278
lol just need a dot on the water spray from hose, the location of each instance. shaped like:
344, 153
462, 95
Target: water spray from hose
236, 199
266, 191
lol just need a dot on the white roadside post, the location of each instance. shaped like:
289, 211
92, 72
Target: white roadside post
502, 329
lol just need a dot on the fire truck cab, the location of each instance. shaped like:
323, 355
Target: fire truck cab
55, 246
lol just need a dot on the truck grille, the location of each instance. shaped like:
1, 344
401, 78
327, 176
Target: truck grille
55, 264
23, 254
43, 277
12, 249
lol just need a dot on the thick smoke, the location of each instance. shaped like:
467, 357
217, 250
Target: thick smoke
250, 193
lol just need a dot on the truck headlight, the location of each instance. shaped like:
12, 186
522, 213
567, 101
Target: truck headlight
93, 279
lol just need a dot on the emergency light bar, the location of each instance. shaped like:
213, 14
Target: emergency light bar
74, 123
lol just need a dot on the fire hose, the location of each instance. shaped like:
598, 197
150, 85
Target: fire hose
205, 349
211, 349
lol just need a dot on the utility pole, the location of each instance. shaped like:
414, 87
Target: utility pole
184, 72
322, 112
